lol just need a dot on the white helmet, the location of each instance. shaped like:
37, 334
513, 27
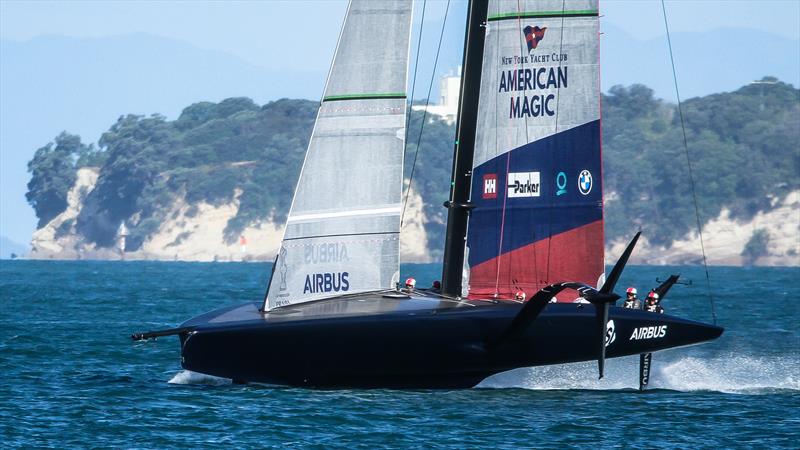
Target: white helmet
631, 290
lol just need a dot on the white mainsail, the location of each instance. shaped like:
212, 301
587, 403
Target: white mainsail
342, 232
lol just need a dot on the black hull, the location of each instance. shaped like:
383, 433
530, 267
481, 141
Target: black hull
373, 341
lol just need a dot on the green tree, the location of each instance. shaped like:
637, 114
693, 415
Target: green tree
52, 172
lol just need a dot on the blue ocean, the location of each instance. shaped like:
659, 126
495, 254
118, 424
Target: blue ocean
71, 376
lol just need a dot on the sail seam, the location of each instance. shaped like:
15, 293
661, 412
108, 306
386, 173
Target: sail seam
545, 14
359, 212
370, 96
342, 235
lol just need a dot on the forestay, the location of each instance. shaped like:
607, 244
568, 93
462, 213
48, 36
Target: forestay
536, 184
342, 232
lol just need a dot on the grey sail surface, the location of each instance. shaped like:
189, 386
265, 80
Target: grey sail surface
342, 232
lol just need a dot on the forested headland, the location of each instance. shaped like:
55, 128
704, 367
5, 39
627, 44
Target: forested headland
744, 148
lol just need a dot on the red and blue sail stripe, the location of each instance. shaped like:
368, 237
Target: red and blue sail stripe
521, 236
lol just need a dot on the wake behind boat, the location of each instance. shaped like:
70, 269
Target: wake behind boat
525, 221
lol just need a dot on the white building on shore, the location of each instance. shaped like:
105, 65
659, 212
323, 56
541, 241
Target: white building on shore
447, 108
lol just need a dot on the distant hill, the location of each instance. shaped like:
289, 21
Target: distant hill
55, 83
235, 154
707, 62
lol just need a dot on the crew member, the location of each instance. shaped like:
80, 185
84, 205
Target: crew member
437, 287
519, 296
411, 283
631, 301
652, 303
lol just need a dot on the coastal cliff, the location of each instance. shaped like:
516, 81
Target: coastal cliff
216, 183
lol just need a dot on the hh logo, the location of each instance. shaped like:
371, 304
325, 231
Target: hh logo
490, 185
533, 35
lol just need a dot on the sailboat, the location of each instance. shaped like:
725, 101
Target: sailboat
524, 229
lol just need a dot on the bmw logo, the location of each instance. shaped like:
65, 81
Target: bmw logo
585, 182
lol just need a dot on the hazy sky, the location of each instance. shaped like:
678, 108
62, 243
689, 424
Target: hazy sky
265, 32
301, 35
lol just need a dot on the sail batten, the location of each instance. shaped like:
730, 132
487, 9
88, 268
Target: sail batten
342, 231
544, 14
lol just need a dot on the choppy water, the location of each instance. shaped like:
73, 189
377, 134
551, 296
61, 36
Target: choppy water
71, 377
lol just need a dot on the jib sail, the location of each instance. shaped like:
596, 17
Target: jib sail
342, 232
536, 183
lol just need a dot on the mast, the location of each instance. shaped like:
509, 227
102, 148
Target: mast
458, 205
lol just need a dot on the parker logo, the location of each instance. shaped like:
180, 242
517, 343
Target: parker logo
490, 185
523, 184
648, 333
533, 35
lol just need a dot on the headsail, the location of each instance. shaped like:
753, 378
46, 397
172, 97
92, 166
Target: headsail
536, 182
342, 232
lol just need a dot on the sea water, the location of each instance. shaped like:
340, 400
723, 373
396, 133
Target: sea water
71, 376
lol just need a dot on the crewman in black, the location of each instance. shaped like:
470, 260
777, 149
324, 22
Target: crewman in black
652, 304
631, 301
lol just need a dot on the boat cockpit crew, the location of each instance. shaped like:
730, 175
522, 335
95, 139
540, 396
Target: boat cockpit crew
652, 304
631, 301
411, 283
436, 287
519, 296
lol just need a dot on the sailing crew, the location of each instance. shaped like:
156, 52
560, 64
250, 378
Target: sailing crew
519, 296
631, 301
411, 283
652, 303
437, 287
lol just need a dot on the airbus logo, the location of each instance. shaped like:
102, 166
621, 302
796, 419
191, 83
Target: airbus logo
585, 182
648, 333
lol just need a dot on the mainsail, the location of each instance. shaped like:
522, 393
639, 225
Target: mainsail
342, 232
536, 182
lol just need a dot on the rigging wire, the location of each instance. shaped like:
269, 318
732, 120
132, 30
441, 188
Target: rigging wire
553, 149
508, 159
424, 113
689, 163
414, 79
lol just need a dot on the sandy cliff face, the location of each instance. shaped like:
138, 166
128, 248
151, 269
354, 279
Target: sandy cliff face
725, 238
200, 236
196, 233
413, 237
57, 239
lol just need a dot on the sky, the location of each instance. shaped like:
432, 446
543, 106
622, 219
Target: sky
265, 33
301, 35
